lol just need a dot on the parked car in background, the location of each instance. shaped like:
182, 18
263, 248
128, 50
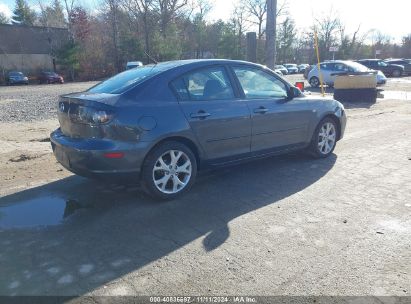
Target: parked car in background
387, 68
278, 72
133, 64
406, 63
302, 68
160, 124
50, 77
281, 68
15, 77
307, 70
331, 69
291, 68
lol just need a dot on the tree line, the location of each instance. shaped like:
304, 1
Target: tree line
102, 41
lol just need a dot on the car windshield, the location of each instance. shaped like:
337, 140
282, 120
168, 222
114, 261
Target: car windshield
357, 67
123, 81
16, 74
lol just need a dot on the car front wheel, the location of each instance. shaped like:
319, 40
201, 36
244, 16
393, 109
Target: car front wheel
169, 171
324, 139
314, 82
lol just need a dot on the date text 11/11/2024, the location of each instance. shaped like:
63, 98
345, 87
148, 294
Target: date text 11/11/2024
203, 299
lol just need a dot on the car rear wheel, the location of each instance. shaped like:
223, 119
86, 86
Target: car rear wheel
314, 82
169, 171
396, 73
324, 139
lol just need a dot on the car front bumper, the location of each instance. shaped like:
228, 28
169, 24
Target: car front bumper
343, 123
87, 157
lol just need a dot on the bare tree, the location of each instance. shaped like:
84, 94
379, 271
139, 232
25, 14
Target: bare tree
240, 20
112, 8
327, 27
167, 10
258, 12
141, 9
69, 6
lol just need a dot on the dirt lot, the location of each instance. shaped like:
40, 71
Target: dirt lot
282, 226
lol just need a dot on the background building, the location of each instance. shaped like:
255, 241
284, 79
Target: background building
30, 48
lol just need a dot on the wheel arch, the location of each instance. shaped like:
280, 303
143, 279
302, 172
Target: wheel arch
183, 140
337, 122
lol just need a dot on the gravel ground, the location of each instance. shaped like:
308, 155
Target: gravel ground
34, 102
38, 102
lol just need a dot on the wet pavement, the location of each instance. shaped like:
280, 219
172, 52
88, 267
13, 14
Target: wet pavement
54, 206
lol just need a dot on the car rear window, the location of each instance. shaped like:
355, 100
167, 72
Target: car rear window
16, 74
125, 80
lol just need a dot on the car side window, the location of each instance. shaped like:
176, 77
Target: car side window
340, 67
205, 84
258, 84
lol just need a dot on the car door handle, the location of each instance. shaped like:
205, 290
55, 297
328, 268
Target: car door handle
200, 115
261, 110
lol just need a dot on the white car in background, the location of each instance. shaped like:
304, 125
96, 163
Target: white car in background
291, 68
133, 64
331, 69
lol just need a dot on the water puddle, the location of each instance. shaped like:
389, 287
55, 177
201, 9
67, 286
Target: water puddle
398, 95
42, 211
51, 207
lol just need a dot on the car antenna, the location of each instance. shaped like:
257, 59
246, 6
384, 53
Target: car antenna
151, 58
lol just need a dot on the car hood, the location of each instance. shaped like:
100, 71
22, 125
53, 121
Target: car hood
327, 101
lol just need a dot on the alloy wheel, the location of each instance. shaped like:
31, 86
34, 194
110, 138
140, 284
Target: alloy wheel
172, 172
327, 138
314, 82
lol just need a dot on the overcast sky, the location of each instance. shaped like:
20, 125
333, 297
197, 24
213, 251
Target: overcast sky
390, 17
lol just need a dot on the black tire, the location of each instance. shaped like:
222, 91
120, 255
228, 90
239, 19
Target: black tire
147, 180
314, 149
396, 73
314, 82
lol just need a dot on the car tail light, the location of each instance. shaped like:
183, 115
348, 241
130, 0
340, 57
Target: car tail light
87, 115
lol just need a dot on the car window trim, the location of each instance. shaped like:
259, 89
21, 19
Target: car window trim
265, 70
223, 66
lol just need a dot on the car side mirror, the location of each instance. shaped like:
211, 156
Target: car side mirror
293, 92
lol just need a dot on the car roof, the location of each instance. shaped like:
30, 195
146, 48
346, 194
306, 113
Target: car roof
395, 59
170, 65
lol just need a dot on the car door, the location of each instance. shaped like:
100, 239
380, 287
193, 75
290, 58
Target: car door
220, 121
326, 71
277, 122
337, 68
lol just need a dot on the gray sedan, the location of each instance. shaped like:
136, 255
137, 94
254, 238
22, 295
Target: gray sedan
160, 124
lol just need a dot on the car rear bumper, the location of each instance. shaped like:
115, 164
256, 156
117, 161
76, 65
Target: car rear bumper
88, 157
13, 81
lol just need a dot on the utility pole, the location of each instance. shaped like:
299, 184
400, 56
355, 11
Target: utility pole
271, 30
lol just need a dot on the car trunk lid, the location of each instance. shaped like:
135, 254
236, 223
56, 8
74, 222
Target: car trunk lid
76, 110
